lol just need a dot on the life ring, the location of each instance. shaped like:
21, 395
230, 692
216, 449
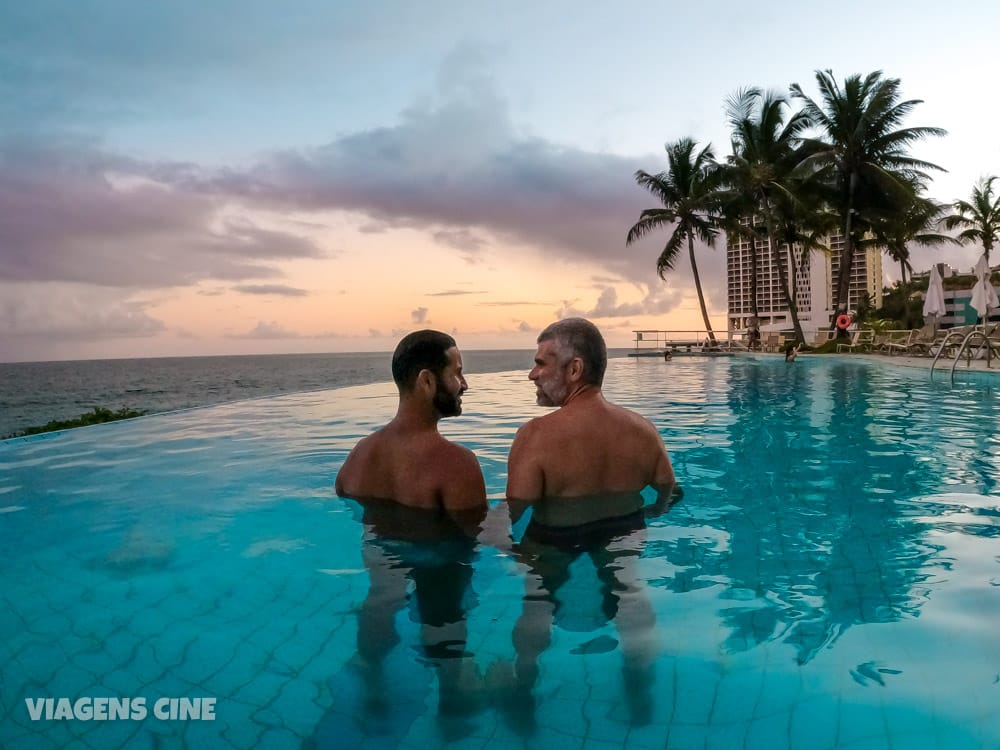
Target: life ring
843, 322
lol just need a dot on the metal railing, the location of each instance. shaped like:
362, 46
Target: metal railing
697, 340
963, 345
674, 340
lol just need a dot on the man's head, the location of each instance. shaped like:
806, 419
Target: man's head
571, 353
430, 360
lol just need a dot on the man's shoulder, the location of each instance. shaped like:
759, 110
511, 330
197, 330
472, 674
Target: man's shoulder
369, 443
453, 450
538, 426
628, 415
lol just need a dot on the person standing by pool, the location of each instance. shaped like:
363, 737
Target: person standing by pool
582, 468
408, 461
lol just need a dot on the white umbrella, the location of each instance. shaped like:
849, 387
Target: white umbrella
984, 296
934, 301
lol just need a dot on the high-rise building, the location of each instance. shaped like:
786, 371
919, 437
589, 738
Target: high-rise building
813, 275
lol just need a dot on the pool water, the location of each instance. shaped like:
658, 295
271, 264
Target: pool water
831, 578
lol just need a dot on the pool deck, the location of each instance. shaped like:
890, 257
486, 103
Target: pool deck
943, 368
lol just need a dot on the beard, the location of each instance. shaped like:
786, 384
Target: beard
446, 403
554, 394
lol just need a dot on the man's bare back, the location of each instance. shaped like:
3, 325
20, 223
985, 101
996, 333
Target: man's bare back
419, 469
588, 446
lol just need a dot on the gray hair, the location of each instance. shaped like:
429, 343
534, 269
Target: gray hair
580, 338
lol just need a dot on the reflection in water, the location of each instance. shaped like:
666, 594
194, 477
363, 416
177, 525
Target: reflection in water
841, 549
420, 562
608, 530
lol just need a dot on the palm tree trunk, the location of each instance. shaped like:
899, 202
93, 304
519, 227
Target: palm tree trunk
697, 286
754, 273
840, 302
793, 308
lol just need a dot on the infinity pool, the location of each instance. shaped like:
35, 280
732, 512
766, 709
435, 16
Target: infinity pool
831, 578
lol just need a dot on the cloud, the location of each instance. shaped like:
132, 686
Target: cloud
277, 289
70, 212
266, 330
525, 327
72, 312
419, 315
456, 166
451, 293
100, 63
607, 305
472, 243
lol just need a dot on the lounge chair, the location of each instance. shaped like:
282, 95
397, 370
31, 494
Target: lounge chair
889, 341
861, 341
917, 343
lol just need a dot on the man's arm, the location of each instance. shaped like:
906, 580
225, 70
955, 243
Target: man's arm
464, 492
346, 480
525, 478
664, 481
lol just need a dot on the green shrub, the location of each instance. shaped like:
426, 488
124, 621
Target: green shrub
99, 415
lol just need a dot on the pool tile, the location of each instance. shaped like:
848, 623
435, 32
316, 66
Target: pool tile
599, 723
726, 735
813, 725
296, 705
768, 732
687, 737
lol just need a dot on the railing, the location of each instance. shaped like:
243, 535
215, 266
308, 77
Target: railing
964, 347
697, 340
691, 341
674, 340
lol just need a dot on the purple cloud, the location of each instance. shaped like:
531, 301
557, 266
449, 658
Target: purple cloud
275, 289
72, 213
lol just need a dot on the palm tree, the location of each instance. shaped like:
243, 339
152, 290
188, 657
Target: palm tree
980, 216
915, 223
864, 155
759, 176
687, 191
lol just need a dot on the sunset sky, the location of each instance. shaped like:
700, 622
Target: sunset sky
184, 178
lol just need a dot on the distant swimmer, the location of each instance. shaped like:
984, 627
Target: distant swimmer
408, 461
588, 446
791, 353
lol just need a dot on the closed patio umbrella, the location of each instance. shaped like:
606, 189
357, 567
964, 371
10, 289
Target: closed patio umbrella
984, 296
934, 301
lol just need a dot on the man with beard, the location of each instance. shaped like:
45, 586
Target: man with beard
589, 446
421, 500
582, 468
408, 461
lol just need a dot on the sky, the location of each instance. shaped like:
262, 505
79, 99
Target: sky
194, 178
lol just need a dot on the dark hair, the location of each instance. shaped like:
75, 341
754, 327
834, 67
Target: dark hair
582, 339
420, 350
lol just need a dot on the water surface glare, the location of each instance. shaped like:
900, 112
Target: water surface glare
830, 580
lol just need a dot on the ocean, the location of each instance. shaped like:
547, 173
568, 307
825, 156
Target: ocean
34, 393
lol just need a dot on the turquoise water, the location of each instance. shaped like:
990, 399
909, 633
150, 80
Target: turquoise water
830, 579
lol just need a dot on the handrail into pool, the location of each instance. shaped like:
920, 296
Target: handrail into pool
964, 348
